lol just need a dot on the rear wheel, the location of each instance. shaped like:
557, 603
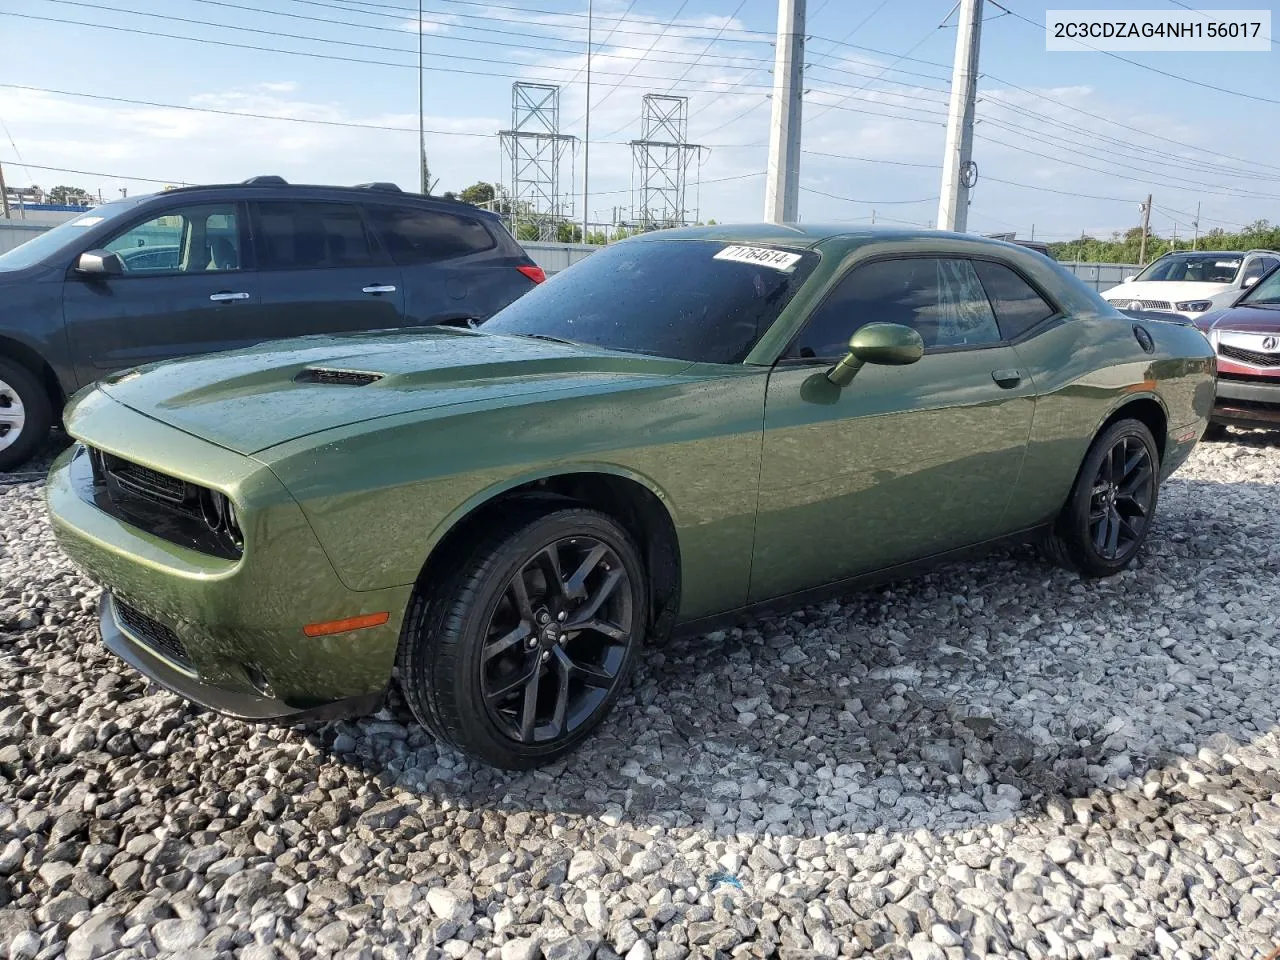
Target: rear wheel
1109, 513
519, 655
25, 414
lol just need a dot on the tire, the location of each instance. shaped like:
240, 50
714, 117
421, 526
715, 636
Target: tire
25, 414
1215, 433
470, 637
1106, 520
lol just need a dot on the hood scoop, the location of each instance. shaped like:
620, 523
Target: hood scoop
337, 378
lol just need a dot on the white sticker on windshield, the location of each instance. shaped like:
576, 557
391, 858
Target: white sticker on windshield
763, 256
1227, 263
87, 221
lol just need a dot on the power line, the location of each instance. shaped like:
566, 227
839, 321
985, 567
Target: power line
876, 203
896, 163
1181, 162
338, 58
1129, 128
105, 176
710, 43
1164, 73
1150, 173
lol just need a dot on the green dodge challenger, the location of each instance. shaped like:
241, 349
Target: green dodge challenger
686, 426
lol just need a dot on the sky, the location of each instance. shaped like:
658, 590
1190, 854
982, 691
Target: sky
1065, 142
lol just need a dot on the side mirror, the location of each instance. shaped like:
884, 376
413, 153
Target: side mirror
1129, 278
100, 263
890, 344
1250, 281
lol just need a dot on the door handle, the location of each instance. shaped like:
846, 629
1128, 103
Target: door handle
378, 288
1007, 379
225, 296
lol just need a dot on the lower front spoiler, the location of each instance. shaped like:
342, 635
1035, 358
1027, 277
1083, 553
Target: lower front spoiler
243, 706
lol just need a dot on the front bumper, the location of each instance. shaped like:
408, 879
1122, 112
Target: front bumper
237, 623
233, 703
1247, 403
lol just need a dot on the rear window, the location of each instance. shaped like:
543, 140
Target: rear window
1018, 307
305, 234
426, 236
698, 300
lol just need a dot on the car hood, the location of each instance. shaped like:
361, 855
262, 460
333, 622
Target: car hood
252, 399
1243, 319
1167, 290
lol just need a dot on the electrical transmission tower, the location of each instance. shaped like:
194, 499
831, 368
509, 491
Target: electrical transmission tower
661, 160
533, 148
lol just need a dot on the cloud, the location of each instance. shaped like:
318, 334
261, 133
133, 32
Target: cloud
280, 86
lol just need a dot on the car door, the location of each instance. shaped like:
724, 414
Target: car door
186, 288
905, 462
451, 265
321, 270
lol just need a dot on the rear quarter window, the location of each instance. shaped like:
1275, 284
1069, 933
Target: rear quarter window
414, 236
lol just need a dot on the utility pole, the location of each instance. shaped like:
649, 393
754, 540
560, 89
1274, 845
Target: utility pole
1175, 236
782, 185
423, 172
1195, 242
1146, 228
586, 139
4, 196
958, 171
873, 216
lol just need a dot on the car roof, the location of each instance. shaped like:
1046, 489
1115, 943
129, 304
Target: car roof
276, 188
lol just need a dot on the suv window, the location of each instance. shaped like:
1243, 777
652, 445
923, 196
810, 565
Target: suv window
424, 236
305, 234
941, 299
1018, 307
1257, 269
187, 240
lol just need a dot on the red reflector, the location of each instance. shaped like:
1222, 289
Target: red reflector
534, 273
330, 627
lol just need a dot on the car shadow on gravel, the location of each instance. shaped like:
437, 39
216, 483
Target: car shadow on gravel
964, 697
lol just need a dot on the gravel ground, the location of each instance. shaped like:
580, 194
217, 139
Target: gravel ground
995, 759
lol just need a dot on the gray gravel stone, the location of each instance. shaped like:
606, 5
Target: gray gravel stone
995, 758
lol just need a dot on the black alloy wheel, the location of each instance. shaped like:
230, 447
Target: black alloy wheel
556, 643
1121, 501
1110, 510
515, 648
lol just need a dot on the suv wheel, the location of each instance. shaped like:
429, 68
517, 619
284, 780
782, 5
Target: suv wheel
25, 414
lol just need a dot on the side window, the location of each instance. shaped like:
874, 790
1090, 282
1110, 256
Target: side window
424, 236
305, 234
1018, 307
188, 240
941, 298
1256, 269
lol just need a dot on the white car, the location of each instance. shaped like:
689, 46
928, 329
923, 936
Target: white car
1192, 283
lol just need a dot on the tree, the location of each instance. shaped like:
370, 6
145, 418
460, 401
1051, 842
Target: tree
69, 195
479, 193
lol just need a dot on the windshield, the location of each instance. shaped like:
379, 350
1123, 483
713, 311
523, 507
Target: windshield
700, 300
50, 242
1195, 268
1265, 291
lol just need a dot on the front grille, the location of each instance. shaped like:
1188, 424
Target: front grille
148, 483
165, 506
153, 634
1253, 357
337, 378
1146, 304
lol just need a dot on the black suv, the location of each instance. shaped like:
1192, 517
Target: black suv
217, 267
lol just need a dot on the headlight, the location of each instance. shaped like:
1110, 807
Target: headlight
1194, 306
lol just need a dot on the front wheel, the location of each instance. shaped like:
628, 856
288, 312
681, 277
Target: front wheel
521, 653
1109, 513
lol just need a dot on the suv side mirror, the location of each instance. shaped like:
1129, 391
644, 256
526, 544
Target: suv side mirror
100, 263
1250, 281
890, 344
1129, 278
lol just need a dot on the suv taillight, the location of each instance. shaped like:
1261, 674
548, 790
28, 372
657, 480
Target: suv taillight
533, 272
